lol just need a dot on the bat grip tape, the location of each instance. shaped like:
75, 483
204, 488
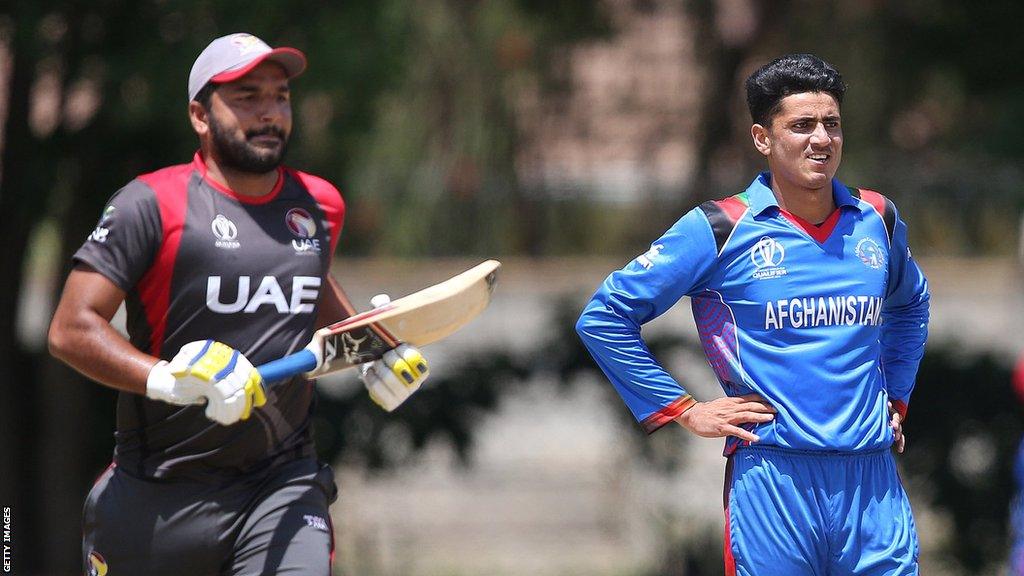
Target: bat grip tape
291, 365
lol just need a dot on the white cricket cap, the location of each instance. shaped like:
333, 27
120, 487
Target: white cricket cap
230, 57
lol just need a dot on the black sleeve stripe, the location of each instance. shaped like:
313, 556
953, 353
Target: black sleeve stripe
722, 224
885, 208
889, 217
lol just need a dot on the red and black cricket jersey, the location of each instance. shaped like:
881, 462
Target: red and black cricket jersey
198, 261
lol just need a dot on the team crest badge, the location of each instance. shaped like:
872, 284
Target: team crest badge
300, 223
870, 253
303, 227
97, 566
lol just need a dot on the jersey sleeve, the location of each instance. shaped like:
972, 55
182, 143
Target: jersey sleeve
904, 319
677, 264
331, 202
126, 239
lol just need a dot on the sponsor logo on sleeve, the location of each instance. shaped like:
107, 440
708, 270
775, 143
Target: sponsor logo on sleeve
103, 226
316, 522
870, 253
648, 258
226, 233
767, 256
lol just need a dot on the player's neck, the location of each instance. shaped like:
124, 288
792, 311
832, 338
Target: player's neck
812, 205
241, 183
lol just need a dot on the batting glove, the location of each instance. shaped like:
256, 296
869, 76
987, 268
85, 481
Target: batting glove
213, 372
397, 375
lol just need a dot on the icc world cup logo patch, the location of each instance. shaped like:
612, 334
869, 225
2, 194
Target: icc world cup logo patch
870, 253
767, 256
300, 223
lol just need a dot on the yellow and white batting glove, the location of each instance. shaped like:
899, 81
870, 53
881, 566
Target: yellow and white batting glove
213, 372
397, 375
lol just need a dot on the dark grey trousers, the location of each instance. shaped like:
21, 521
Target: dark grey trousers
273, 522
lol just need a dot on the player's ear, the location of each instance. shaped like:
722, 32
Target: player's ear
199, 117
762, 139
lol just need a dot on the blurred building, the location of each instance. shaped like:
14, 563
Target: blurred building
624, 127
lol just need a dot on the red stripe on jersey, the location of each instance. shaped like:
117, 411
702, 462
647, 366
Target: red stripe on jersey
328, 198
901, 407
668, 413
876, 200
109, 467
330, 523
170, 186
819, 232
733, 207
200, 166
730, 560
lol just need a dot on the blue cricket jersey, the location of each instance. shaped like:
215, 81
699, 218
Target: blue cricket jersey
826, 324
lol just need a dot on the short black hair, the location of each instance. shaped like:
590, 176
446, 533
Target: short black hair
205, 93
790, 74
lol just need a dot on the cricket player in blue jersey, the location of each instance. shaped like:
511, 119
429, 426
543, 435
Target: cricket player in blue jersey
813, 316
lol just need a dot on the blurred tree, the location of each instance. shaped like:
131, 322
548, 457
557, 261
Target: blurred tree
729, 35
440, 165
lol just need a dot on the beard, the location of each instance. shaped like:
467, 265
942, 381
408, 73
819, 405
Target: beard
242, 156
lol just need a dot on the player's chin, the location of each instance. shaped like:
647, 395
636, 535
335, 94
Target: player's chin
268, 157
817, 179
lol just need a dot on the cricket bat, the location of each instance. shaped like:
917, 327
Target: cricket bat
419, 319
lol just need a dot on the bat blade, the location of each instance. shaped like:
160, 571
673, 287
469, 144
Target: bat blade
419, 319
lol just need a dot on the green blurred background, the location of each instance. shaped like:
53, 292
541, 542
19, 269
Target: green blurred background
560, 136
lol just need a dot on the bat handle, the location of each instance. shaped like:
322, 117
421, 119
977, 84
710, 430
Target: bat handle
291, 365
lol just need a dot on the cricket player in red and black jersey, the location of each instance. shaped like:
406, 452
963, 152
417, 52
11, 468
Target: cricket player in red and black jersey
222, 263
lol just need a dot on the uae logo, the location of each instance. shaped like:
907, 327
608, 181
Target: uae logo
225, 231
303, 227
767, 256
870, 253
300, 223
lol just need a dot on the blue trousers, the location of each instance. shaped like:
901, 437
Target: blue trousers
797, 513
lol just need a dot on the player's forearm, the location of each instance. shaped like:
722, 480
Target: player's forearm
614, 341
904, 333
86, 342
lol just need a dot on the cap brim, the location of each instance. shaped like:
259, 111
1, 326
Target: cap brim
293, 61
